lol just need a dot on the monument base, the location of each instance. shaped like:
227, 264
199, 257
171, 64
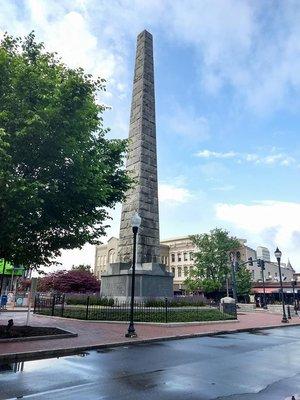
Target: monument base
151, 281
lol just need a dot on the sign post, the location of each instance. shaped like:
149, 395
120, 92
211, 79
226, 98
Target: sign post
30, 295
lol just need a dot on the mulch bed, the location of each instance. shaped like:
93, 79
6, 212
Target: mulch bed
17, 331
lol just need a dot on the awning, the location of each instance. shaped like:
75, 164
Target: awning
267, 290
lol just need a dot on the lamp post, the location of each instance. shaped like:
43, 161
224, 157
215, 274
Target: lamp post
135, 223
232, 258
261, 264
294, 283
278, 257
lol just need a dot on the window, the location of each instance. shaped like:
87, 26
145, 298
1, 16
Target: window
185, 257
252, 274
269, 274
191, 256
173, 257
179, 256
186, 272
275, 274
173, 271
179, 272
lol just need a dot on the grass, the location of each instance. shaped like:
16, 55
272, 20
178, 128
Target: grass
159, 315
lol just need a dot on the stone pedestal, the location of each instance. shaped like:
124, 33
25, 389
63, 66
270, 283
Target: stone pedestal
151, 281
228, 306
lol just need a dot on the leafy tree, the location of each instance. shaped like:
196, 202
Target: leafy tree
58, 173
81, 267
243, 281
70, 281
212, 260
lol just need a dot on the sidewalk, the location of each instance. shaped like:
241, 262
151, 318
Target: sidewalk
93, 335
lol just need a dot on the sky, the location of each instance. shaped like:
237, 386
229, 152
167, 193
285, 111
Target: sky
227, 76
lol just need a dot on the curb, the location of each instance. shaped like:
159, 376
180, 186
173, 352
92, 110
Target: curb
34, 355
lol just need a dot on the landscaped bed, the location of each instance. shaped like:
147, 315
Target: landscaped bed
146, 315
16, 333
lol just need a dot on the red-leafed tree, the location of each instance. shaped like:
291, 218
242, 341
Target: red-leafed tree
75, 280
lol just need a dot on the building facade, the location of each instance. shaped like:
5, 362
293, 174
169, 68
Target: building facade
177, 255
263, 253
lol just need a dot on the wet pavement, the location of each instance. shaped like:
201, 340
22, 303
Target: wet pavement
264, 365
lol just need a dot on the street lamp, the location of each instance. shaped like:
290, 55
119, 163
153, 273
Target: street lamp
233, 280
278, 257
135, 223
261, 264
294, 283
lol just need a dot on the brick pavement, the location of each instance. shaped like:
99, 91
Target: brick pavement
101, 334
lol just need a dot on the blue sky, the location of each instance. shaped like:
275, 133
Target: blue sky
227, 102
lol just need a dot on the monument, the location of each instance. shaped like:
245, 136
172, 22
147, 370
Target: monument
152, 280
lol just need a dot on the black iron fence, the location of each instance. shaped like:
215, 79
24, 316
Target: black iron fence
96, 308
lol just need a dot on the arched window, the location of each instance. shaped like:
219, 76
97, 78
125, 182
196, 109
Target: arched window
185, 257
111, 256
186, 271
173, 257
191, 256
173, 271
179, 272
179, 257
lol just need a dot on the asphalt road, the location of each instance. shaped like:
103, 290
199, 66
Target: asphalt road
242, 366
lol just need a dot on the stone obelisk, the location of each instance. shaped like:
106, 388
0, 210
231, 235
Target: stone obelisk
152, 280
142, 161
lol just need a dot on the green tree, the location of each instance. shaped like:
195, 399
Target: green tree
81, 267
212, 260
59, 174
243, 281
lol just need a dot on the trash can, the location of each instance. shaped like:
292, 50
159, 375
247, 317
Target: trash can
3, 301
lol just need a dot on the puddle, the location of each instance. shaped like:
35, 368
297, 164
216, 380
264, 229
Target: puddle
262, 333
105, 350
12, 367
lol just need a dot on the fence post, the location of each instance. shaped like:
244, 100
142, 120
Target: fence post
62, 305
87, 307
166, 310
289, 312
35, 301
53, 305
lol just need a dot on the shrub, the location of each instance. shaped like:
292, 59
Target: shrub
177, 302
94, 300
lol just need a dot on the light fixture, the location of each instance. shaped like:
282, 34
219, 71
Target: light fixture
277, 253
136, 220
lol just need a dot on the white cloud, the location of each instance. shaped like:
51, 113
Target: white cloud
172, 194
233, 46
269, 159
271, 223
215, 154
237, 51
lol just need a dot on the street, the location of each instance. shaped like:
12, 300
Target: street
243, 366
